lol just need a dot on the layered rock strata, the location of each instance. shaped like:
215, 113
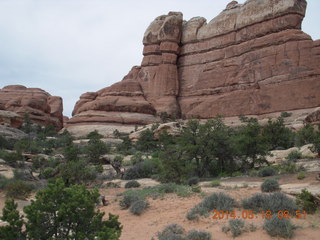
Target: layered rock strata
40, 106
251, 59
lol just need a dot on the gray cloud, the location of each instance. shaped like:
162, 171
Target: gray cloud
73, 46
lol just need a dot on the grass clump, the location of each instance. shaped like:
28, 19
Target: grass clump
301, 175
273, 202
138, 207
198, 235
276, 227
172, 232
132, 184
270, 185
267, 171
215, 201
307, 201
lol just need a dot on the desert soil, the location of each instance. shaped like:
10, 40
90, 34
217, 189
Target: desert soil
173, 209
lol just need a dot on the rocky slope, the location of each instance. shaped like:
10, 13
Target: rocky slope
251, 59
42, 108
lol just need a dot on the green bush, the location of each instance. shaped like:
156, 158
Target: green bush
193, 181
11, 158
128, 200
138, 207
301, 175
307, 201
273, 202
172, 232
276, 227
47, 173
216, 201
18, 189
77, 215
294, 156
267, 171
270, 185
132, 184
305, 135
144, 169
285, 114
3, 181
316, 143
198, 235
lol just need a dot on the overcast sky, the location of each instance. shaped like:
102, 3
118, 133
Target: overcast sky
68, 47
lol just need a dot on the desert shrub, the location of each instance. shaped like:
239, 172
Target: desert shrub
276, 134
47, 173
305, 135
193, 181
138, 207
77, 172
273, 202
3, 143
198, 235
216, 201
144, 169
11, 158
3, 181
128, 200
253, 173
276, 227
18, 189
146, 141
270, 185
285, 114
236, 227
172, 232
23, 174
75, 208
267, 171
301, 175
95, 149
294, 156
316, 143
132, 184
255, 202
215, 183
307, 201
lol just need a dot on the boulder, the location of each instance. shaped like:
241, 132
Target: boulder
41, 107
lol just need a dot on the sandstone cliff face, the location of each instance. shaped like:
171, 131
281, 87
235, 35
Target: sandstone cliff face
38, 104
250, 59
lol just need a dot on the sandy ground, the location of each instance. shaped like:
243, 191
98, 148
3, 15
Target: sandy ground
173, 209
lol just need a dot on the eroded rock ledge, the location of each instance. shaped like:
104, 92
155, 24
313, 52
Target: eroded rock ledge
251, 59
42, 108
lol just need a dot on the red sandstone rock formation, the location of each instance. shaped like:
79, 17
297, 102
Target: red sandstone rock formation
250, 59
38, 104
